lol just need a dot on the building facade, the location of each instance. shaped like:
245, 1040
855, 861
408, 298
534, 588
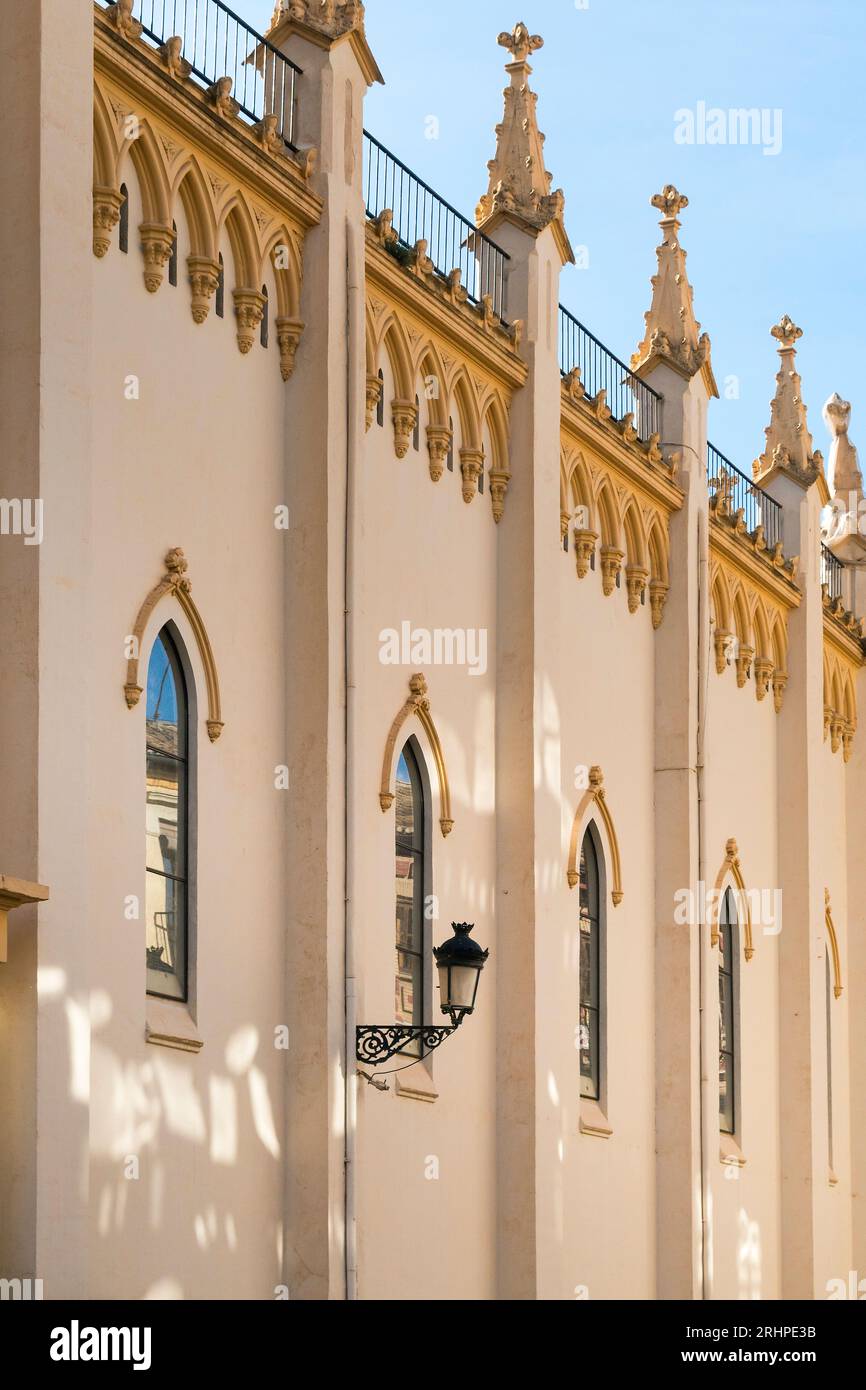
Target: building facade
352, 588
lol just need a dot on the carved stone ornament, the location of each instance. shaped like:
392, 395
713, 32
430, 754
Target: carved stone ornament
438, 445
584, 546
594, 798
763, 671
120, 15
611, 564
732, 869
471, 465
789, 444
843, 469
204, 278
220, 97
175, 583
672, 332
249, 312
289, 332
658, 591
498, 481
519, 185
418, 704
334, 18
744, 657
373, 394
171, 53
157, 243
636, 577
404, 415
107, 203
268, 135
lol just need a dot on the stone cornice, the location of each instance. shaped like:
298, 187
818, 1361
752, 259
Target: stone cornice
757, 566
356, 37
579, 421
140, 72
460, 325
844, 631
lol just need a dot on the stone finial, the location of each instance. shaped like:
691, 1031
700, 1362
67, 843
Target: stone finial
519, 186
520, 43
843, 468
670, 202
672, 333
789, 443
331, 17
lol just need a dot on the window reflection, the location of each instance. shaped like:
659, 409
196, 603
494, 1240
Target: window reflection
409, 882
590, 1001
167, 780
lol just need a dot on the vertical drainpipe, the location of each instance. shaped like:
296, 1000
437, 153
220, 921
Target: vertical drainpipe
705, 1111
354, 323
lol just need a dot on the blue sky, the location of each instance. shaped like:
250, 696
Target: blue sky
765, 234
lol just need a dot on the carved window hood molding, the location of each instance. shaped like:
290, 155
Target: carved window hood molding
595, 797
731, 869
417, 703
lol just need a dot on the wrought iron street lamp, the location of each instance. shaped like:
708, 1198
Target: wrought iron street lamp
459, 962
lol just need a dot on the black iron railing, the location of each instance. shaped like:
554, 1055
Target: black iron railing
453, 242
831, 572
735, 491
600, 370
218, 43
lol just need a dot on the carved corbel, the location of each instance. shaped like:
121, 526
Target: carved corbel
438, 444
289, 332
780, 680
107, 203
404, 415
157, 243
626, 424
120, 15
721, 642
249, 312
658, 592
635, 582
837, 725
488, 315
172, 56
828, 719
847, 739
220, 97
584, 545
744, 663
204, 278
498, 480
306, 160
374, 392
471, 464
653, 452
611, 564
763, 675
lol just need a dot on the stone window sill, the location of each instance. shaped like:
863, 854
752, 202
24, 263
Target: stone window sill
730, 1151
593, 1119
170, 1024
416, 1083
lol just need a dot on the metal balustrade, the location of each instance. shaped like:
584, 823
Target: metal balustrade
600, 369
218, 43
831, 572
735, 491
420, 214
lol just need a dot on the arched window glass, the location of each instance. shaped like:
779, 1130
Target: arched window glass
728, 1013
828, 1000
591, 951
263, 332
449, 462
380, 404
172, 260
409, 867
221, 290
416, 431
123, 231
167, 820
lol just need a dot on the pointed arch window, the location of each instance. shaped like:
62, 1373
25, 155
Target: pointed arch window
172, 260
449, 462
411, 861
123, 231
380, 404
729, 1008
263, 331
221, 290
592, 969
167, 819
416, 428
